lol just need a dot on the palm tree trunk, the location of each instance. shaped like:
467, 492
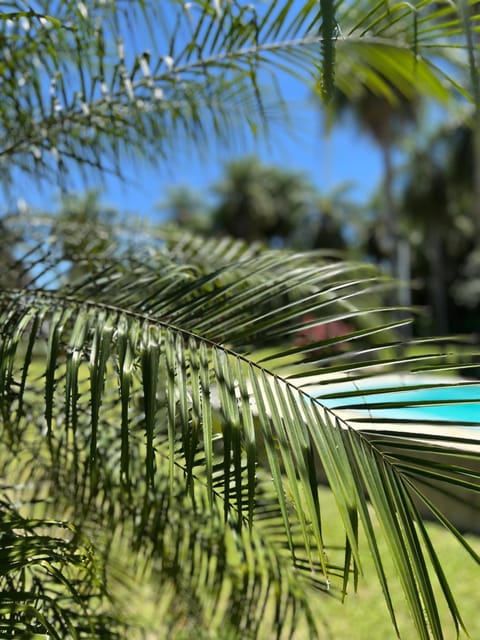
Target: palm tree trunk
473, 42
391, 237
397, 250
390, 213
476, 170
437, 280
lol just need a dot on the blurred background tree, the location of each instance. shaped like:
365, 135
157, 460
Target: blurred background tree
257, 202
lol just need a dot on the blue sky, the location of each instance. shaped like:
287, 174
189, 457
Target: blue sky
344, 155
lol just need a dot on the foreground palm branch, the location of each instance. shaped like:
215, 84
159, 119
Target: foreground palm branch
88, 81
168, 408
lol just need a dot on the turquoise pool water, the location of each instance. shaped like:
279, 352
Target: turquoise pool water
454, 404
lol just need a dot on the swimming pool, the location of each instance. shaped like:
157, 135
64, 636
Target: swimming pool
455, 403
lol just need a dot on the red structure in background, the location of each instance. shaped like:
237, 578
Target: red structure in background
321, 331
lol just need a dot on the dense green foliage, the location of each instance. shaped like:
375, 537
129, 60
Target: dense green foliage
163, 403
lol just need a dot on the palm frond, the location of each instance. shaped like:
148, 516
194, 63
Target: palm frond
144, 396
83, 90
49, 577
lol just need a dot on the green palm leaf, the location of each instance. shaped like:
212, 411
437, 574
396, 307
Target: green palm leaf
83, 90
49, 577
141, 397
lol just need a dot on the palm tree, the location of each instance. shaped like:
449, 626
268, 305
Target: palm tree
185, 207
259, 202
438, 195
383, 119
333, 221
426, 205
161, 430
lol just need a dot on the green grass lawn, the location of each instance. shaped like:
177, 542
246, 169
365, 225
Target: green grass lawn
364, 615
